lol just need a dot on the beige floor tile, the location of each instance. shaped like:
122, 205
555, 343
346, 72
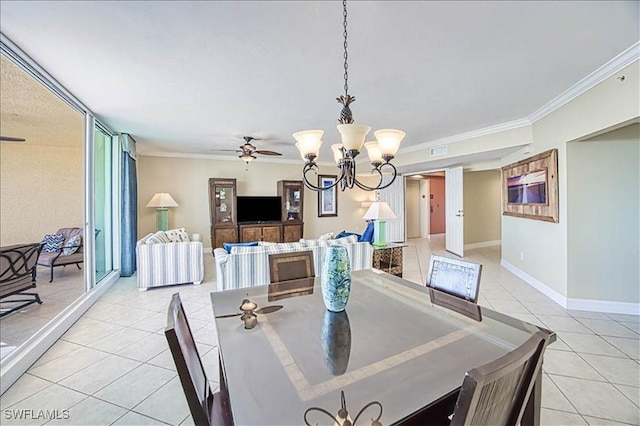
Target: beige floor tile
26, 386
553, 398
100, 374
569, 364
61, 367
596, 421
625, 317
167, 404
598, 399
60, 348
631, 347
146, 348
633, 326
135, 419
91, 411
587, 314
590, 344
134, 387
89, 334
609, 328
557, 418
622, 371
54, 398
631, 392
119, 340
564, 323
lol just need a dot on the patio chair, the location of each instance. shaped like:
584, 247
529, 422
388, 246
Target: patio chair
17, 274
69, 253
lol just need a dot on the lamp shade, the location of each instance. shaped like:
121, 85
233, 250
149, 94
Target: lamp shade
309, 141
162, 200
379, 210
389, 140
375, 156
337, 152
353, 135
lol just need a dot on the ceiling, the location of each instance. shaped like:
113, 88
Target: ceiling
191, 77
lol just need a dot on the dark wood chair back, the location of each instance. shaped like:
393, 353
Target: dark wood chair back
456, 277
497, 392
207, 408
291, 266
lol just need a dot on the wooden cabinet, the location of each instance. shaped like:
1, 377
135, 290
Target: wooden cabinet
222, 211
262, 232
292, 195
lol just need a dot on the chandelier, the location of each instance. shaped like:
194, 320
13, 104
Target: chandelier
381, 151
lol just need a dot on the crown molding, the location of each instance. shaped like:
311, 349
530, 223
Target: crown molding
469, 135
616, 64
172, 154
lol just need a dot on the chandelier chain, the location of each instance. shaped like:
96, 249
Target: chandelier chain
346, 54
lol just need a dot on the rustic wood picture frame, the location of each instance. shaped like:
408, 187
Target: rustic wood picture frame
548, 210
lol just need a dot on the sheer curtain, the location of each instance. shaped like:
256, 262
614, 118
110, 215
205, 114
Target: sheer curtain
129, 213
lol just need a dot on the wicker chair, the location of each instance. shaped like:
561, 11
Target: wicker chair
17, 274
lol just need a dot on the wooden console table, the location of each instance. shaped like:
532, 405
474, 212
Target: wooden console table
389, 258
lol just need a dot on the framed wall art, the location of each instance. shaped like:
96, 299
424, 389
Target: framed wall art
530, 187
327, 199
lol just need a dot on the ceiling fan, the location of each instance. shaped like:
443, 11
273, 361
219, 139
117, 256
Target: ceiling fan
11, 139
247, 150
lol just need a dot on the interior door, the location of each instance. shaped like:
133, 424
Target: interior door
454, 238
394, 196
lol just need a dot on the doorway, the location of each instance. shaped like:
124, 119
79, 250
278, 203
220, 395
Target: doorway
426, 205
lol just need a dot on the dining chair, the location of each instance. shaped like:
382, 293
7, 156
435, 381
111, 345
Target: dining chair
207, 407
456, 277
291, 266
497, 393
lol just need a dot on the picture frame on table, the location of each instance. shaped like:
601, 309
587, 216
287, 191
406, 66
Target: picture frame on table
530, 187
328, 198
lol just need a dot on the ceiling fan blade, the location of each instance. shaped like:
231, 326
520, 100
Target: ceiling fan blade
11, 139
266, 152
226, 150
229, 315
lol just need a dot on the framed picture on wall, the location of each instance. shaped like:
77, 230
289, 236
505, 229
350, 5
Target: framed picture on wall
530, 187
328, 198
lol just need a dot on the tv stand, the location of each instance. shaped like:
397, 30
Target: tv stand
267, 231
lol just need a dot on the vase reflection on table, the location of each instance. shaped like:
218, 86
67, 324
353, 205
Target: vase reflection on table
336, 341
336, 278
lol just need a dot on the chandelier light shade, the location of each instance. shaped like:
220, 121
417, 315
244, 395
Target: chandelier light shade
353, 136
161, 201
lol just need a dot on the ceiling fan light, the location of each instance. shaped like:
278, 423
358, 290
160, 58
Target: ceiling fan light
375, 156
247, 158
353, 135
309, 141
337, 152
389, 140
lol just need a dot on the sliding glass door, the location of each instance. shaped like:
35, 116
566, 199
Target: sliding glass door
103, 207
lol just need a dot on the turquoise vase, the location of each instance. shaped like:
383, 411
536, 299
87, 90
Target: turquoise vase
336, 341
336, 278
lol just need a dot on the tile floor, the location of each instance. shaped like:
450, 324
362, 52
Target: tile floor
113, 365
17, 327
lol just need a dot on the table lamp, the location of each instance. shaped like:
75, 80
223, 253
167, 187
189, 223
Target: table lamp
379, 212
162, 200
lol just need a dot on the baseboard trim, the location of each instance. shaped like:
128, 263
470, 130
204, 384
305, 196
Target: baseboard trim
535, 283
608, 306
482, 244
19, 361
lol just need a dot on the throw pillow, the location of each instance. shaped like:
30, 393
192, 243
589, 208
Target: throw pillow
178, 235
72, 245
158, 238
346, 234
367, 235
327, 236
228, 246
52, 243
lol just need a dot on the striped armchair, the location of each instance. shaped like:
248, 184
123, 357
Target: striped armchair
162, 263
249, 266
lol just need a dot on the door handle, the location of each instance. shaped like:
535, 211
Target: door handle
460, 213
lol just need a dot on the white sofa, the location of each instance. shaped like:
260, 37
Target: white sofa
249, 266
161, 262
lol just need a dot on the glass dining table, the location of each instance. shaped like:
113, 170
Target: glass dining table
392, 351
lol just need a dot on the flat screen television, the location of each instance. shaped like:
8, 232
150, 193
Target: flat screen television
259, 209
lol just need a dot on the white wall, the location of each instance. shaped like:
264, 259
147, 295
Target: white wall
604, 216
482, 206
186, 179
